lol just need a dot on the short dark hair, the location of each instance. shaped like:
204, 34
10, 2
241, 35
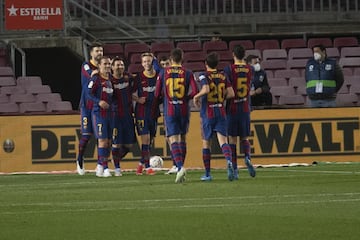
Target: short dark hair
322, 47
164, 58
250, 58
116, 59
94, 45
212, 59
176, 55
239, 51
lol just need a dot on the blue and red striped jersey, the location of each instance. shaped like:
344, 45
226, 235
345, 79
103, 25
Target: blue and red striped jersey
86, 70
146, 86
100, 89
240, 78
123, 90
212, 104
176, 85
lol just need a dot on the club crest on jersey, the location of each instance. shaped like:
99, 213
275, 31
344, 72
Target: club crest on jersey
91, 84
311, 68
121, 85
328, 67
86, 67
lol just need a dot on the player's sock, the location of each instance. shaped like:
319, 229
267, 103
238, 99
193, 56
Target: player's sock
206, 159
234, 155
246, 147
176, 150
82, 146
226, 150
183, 150
123, 151
116, 156
103, 155
145, 155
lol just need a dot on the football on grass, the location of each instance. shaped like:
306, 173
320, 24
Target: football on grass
156, 162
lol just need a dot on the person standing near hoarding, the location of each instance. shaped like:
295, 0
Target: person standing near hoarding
238, 110
215, 89
100, 91
173, 86
88, 69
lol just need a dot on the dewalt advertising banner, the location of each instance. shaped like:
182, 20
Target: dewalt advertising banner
50, 142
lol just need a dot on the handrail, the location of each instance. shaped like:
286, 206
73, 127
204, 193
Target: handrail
13, 49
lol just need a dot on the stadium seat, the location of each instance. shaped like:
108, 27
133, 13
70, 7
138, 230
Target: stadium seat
267, 44
355, 89
9, 90
48, 97
113, 50
58, 106
255, 52
357, 72
293, 43
28, 81
297, 81
6, 71
348, 71
269, 74
4, 98
194, 56
135, 68
225, 56
7, 81
195, 66
282, 90
32, 107
301, 90
350, 52
333, 53
286, 73
135, 58
270, 54
300, 53
276, 82
222, 64
157, 47
291, 100
213, 46
340, 42
317, 41
3, 61
189, 46
296, 63
36, 89
273, 64
19, 98
345, 89
135, 48
9, 108
247, 44
350, 99
351, 62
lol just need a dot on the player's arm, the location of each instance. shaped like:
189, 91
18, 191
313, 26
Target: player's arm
229, 89
194, 89
205, 89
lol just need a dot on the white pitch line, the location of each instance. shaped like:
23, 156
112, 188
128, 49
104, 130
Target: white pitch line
142, 207
150, 201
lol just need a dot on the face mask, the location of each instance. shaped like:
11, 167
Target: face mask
317, 56
257, 67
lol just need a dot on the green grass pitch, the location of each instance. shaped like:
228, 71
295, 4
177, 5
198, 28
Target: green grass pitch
298, 203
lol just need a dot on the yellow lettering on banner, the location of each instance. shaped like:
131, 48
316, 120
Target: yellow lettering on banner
50, 143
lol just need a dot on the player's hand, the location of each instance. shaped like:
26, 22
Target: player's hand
258, 91
252, 92
103, 104
196, 102
96, 71
141, 100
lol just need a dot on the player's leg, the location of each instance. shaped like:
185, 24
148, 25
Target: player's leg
103, 156
206, 133
86, 133
245, 144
